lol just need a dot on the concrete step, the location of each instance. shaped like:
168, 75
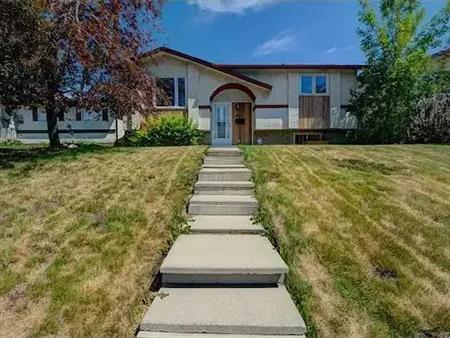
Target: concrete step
211, 160
224, 152
222, 260
147, 334
229, 174
224, 224
224, 188
222, 205
223, 166
234, 311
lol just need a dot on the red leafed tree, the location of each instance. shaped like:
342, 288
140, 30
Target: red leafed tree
91, 56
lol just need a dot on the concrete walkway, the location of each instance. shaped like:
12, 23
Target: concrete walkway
224, 279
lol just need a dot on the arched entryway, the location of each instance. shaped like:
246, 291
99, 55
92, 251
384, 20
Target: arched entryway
231, 114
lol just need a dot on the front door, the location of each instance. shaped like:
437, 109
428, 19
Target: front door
221, 126
242, 121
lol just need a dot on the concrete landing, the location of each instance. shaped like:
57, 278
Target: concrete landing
222, 259
222, 205
224, 224
224, 151
218, 160
224, 188
239, 311
224, 174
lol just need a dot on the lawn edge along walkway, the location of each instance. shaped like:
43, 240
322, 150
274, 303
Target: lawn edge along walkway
225, 278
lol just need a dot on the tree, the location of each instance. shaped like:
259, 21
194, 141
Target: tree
396, 44
83, 53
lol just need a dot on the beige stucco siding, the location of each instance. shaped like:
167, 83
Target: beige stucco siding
168, 67
201, 82
272, 118
339, 117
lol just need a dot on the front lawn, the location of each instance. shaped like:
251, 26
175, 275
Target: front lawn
82, 233
366, 232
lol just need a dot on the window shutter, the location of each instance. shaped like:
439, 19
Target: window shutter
105, 114
35, 113
77, 114
61, 115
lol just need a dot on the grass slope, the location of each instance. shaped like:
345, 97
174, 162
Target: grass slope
82, 233
366, 232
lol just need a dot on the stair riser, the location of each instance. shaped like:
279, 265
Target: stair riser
225, 154
221, 209
223, 191
214, 160
178, 279
244, 176
224, 166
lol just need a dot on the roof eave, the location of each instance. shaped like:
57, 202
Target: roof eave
207, 64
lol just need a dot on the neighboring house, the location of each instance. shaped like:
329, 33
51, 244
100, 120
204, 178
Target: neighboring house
234, 104
443, 58
250, 104
75, 124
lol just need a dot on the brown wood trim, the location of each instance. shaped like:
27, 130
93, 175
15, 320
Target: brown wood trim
237, 86
204, 107
265, 106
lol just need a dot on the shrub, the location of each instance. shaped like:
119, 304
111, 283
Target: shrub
431, 122
167, 130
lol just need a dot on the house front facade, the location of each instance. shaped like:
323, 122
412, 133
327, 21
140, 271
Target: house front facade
233, 104
257, 104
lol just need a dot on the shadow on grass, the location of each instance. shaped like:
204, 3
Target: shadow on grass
11, 156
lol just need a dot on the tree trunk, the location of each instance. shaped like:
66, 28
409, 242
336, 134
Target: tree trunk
52, 126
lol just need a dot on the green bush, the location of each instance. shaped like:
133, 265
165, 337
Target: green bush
167, 130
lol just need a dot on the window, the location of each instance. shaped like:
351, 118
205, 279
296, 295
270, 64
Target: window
35, 113
314, 84
306, 84
105, 113
60, 115
92, 115
308, 138
174, 90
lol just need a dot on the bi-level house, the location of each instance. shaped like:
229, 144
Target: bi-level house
258, 104
233, 103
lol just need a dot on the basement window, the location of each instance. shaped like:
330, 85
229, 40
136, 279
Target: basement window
306, 138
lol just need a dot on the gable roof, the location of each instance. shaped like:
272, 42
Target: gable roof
444, 52
208, 64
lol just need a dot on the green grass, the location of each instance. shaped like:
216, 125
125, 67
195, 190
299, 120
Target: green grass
365, 231
82, 233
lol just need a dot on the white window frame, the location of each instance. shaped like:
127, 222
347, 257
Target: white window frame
314, 75
175, 99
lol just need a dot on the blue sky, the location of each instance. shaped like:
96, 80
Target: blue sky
267, 31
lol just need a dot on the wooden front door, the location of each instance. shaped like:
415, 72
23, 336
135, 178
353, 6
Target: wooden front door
242, 122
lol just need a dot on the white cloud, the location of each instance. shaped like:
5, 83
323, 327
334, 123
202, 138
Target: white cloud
282, 42
336, 49
230, 6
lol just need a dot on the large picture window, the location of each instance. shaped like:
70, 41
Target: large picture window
313, 84
173, 91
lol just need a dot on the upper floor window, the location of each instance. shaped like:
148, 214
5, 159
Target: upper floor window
175, 92
314, 84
